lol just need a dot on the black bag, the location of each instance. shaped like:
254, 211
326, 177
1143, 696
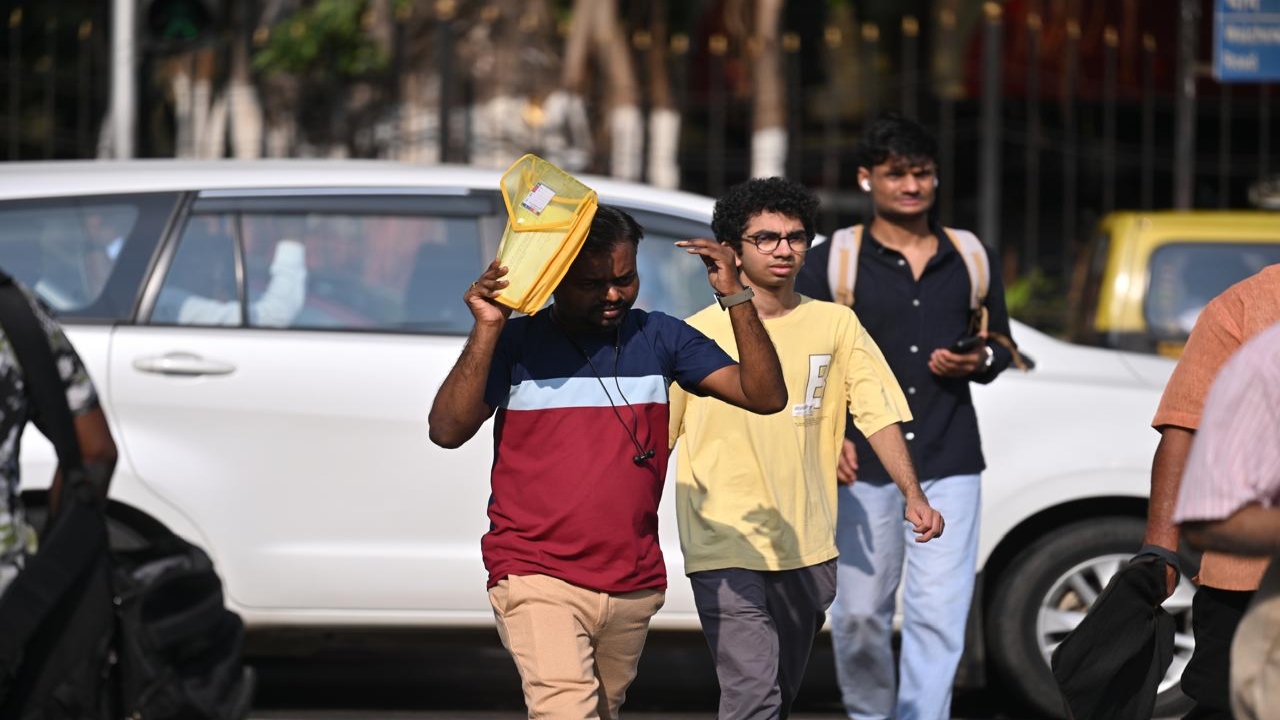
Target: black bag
179, 647
57, 623
89, 633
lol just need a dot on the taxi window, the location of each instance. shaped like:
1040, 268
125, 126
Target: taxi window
1184, 276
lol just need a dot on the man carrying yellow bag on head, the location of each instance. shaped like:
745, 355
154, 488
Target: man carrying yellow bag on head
548, 215
579, 396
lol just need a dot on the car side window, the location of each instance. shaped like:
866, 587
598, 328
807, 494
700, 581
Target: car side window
200, 287
362, 271
1185, 276
84, 256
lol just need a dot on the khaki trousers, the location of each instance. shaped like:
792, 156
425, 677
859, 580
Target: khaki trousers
1255, 654
576, 649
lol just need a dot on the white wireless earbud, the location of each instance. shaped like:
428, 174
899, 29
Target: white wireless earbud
935, 181
866, 185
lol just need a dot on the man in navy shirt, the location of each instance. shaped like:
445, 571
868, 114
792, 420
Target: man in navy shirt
913, 296
580, 455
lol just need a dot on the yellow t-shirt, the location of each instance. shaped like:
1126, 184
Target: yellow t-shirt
759, 491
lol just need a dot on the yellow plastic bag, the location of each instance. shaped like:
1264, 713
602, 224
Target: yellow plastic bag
549, 213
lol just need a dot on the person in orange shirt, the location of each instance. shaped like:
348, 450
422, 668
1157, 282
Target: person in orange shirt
1226, 583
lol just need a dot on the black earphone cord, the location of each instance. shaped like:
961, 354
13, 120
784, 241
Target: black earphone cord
641, 453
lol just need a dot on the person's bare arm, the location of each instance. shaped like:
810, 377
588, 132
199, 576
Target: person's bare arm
755, 383
459, 408
98, 454
1166, 477
1251, 530
892, 451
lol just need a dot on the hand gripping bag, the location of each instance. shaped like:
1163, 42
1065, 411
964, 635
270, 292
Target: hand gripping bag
549, 213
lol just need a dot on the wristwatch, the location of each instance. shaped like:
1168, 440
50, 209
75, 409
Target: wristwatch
991, 357
728, 301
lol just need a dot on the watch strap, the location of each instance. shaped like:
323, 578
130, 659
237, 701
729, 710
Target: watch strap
728, 301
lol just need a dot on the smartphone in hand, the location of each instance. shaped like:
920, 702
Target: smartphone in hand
966, 345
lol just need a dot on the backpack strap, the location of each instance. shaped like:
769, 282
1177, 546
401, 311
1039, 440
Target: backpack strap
77, 535
40, 373
842, 265
976, 262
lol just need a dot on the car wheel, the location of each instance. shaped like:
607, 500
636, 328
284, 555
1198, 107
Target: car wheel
1045, 593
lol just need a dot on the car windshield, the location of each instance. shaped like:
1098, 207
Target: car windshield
1184, 276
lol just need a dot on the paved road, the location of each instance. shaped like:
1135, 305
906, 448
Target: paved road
406, 675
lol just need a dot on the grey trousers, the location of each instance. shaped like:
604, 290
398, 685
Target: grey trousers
760, 626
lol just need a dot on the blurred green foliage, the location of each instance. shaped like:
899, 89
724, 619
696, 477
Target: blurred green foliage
1038, 300
325, 37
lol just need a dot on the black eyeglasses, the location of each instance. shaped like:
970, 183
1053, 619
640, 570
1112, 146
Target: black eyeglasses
766, 241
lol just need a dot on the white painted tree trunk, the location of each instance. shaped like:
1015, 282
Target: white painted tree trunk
213, 144
246, 120
664, 146
769, 136
184, 126
201, 103
626, 130
498, 131
566, 138
769, 152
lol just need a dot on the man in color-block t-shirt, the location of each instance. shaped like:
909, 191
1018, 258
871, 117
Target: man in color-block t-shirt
580, 455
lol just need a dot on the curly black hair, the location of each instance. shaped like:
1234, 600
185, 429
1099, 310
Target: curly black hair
610, 226
893, 135
744, 201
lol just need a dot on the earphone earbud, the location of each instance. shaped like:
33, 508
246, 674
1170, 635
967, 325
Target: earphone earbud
639, 459
935, 181
866, 185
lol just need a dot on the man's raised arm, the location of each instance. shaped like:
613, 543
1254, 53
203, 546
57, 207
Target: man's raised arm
756, 382
459, 408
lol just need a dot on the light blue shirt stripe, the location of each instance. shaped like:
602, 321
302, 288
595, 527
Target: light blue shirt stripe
559, 393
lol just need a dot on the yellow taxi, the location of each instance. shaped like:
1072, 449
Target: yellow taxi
1146, 275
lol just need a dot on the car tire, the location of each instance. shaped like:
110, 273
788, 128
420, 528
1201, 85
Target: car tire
1047, 589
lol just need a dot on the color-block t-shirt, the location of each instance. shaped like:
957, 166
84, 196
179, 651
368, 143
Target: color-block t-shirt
758, 492
568, 500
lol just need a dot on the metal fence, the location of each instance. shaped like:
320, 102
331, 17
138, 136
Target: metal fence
1048, 114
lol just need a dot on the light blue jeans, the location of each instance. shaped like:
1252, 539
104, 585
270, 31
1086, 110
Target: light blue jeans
874, 542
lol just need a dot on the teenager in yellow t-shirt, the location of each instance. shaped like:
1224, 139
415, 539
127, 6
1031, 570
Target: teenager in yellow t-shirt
756, 494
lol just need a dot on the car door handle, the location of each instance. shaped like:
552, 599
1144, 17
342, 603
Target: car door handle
182, 363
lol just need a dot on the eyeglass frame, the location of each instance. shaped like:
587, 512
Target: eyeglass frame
777, 239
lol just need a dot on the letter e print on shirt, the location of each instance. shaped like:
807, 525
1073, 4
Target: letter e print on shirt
819, 366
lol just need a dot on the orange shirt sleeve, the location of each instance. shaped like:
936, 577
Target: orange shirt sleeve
1215, 337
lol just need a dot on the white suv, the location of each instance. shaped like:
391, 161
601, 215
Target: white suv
267, 338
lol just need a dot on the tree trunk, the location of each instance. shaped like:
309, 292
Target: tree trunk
664, 119
595, 30
769, 136
242, 95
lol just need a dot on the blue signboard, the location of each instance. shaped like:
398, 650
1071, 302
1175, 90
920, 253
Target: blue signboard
1246, 41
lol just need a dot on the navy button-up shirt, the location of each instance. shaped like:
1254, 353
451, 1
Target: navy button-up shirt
908, 319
